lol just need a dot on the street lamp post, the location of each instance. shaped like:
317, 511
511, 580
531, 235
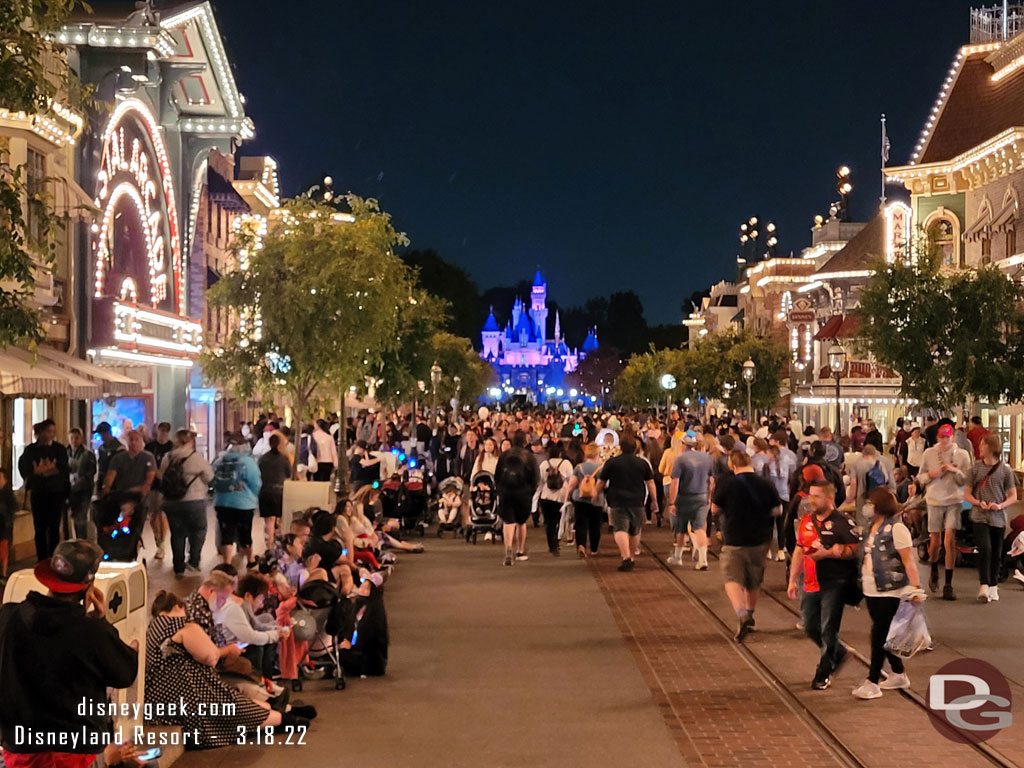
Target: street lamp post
668, 383
435, 380
749, 373
457, 380
837, 365
844, 188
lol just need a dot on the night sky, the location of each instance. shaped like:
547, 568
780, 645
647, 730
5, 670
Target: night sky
618, 146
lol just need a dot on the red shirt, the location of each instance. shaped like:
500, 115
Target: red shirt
807, 540
975, 436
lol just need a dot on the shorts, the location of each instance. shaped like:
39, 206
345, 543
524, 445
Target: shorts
271, 504
628, 519
943, 517
514, 508
154, 503
692, 509
234, 526
744, 565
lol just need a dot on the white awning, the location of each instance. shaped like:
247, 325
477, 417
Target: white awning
110, 382
77, 387
20, 379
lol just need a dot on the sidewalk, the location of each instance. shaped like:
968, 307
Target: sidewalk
489, 667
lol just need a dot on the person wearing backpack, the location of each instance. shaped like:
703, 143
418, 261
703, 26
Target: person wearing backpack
236, 485
185, 478
588, 504
872, 470
552, 491
516, 478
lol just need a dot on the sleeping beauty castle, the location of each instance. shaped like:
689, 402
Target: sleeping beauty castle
527, 361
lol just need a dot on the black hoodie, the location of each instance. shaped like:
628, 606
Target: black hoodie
52, 657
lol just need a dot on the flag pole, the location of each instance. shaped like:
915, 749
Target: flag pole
885, 156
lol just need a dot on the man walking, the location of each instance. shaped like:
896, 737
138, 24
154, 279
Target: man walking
690, 494
945, 470
626, 481
82, 468
44, 466
109, 445
826, 557
154, 501
747, 505
782, 465
516, 479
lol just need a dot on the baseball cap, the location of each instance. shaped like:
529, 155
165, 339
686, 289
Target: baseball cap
103, 428
946, 430
690, 438
71, 568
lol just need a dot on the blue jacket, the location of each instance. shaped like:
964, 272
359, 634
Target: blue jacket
246, 494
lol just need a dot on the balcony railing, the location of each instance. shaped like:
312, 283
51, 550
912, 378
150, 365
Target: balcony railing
987, 23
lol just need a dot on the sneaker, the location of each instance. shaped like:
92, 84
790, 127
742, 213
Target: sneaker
508, 559
894, 681
867, 690
1018, 575
555, 552
947, 592
993, 594
581, 553
983, 594
179, 576
626, 565
768, 555
821, 685
521, 556
672, 560
159, 552
799, 625
636, 553
700, 567
189, 568
780, 556
488, 536
933, 580
745, 628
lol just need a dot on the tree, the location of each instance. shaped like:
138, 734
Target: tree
466, 312
25, 87
455, 356
639, 384
318, 305
951, 336
596, 372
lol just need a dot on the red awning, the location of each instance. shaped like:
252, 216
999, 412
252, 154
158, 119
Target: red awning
850, 327
828, 330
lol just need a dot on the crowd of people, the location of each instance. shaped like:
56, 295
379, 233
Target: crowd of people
844, 513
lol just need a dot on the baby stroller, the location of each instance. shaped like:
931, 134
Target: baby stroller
448, 516
327, 610
405, 501
483, 506
119, 518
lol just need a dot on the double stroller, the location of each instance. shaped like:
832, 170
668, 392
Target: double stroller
483, 508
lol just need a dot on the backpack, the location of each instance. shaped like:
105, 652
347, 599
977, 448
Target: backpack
227, 475
173, 484
555, 481
874, 478
588, 485
513, 473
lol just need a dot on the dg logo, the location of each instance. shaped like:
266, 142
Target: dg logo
969, 701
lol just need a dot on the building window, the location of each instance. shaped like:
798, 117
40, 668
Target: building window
35, 186
1011, 242
986, 251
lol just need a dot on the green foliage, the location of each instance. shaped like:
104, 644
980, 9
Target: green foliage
320, 296
597, 371
704, 370
455, 356
951, 336
26, 87
450, 282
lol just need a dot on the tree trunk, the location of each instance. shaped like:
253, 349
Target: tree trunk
341, 485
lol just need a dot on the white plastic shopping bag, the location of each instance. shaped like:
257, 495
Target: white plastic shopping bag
908, 632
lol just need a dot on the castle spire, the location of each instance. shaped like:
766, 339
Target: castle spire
558, 325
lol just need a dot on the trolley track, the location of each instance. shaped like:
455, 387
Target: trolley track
840, 749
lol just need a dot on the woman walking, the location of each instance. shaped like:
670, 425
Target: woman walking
552, 492
187, 477
991, 489
889, 575
588, 504
275, 468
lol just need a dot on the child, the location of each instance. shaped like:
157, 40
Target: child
8, 507
451, 502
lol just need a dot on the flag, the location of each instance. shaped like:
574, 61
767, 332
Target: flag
885, 145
